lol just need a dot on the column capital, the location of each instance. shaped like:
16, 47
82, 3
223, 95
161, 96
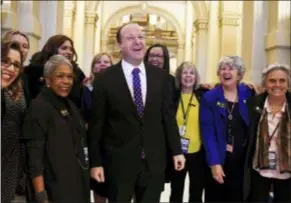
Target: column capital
228, 21
91, 17
201, 24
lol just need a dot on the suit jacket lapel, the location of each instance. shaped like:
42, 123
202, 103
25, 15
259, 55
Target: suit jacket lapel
150, 86
242, 103
121, 83
221, 102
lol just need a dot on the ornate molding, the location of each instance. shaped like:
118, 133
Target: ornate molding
277, 40
91, 18
228, 21
201, 24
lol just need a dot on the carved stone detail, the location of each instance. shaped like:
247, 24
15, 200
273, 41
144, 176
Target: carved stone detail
91, 18
201, 24
229, 21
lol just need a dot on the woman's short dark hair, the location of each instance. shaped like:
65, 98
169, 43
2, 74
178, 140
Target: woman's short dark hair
165, 53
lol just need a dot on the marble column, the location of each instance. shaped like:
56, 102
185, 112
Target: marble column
213, 43
69, 17
189, 29
89, 40
9, 18
79, 32
201, 32
247, 37
277, 41
28, 16
52, 24
258, 42
228, 26
193, 48
180, 52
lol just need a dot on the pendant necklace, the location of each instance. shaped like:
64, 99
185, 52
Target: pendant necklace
230, 117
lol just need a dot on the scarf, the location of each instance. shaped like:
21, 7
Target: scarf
283, 143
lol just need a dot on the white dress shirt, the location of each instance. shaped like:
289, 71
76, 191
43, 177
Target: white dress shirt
127, 70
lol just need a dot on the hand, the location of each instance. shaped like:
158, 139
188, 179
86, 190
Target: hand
217, 173
257, 88
207, 86
179, 162
88, 80
97, 173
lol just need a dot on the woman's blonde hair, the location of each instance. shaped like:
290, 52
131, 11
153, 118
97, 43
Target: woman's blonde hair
8, 36
179, 70
97, 57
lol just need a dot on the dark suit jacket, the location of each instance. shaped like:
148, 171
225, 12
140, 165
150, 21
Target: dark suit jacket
256, 105
115, 121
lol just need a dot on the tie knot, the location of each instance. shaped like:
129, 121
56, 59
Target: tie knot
135, 71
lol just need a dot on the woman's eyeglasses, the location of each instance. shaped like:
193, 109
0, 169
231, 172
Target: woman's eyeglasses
7, 63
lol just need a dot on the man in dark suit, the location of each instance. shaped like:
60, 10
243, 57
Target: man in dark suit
132, 124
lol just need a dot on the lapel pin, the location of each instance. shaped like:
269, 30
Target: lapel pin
64, 112
222, 105
258, 109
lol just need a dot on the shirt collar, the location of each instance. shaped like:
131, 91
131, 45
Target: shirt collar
268, 108
127, 67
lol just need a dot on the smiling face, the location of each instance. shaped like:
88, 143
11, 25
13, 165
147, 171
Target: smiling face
276, 83
188, 78
66, 49
10, 68
102, 63
61, 80
132, 44
156, 57
228, 75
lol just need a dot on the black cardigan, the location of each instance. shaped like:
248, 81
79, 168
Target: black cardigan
257, 101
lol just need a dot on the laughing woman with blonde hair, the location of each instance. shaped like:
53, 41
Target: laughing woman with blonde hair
187, 116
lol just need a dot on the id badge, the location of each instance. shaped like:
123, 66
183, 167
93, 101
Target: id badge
272, 160
86, 154
182, 130
185, 145
230, 142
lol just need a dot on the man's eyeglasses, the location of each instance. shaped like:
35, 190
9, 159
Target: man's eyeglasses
8, 63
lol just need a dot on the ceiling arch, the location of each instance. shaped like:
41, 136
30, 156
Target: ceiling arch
151, 10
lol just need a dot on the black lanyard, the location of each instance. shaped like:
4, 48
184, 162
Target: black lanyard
272, 135
185, 113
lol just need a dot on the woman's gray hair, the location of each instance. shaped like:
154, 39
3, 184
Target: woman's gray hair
53, 63
276, 66
233, 61
179, 70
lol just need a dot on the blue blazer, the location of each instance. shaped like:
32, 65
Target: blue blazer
213, 121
